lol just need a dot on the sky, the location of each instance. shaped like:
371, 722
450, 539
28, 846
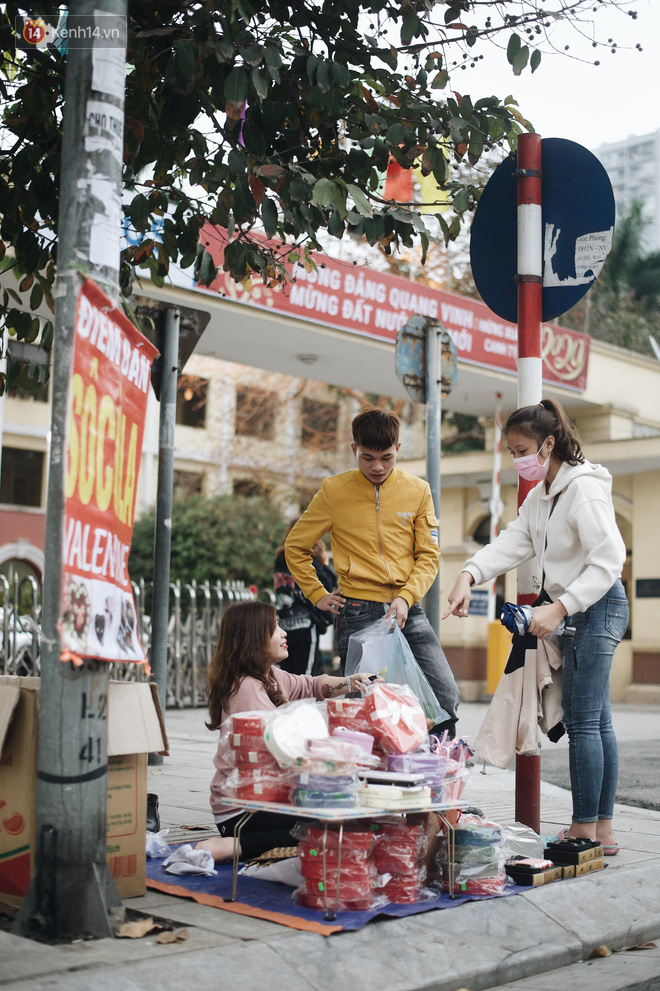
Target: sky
573, 99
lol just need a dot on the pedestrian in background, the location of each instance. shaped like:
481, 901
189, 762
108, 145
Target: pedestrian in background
567, 524
302, 621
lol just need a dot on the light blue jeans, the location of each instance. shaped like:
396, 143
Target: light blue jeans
593, 753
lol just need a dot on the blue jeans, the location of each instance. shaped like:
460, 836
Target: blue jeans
592, 751
358, 613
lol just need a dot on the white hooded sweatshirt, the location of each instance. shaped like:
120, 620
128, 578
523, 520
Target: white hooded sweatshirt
584, 552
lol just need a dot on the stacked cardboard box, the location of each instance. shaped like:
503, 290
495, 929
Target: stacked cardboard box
135, 728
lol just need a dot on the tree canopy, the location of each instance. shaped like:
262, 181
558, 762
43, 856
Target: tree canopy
225, 538
265, 117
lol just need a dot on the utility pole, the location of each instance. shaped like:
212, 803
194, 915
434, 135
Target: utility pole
72, 894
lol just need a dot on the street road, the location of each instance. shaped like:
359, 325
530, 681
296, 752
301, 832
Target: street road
638, 733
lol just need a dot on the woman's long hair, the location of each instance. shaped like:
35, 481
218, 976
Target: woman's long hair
241, 652
280, 549
546, 418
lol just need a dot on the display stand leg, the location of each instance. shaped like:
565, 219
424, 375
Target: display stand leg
237, 846
331, 915
451, 847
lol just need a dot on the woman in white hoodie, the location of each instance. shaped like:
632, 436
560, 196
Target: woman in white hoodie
567, 525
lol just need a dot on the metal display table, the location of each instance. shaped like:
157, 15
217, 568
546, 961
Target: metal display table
328, 816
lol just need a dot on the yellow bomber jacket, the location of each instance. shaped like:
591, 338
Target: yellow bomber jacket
384, 539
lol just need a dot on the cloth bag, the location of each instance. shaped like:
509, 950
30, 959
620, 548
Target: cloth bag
381, 648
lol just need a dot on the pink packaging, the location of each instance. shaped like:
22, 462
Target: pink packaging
363, 740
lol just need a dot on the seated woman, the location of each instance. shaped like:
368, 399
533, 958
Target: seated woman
244, 675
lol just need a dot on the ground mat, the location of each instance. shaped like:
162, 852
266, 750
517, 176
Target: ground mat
274, 902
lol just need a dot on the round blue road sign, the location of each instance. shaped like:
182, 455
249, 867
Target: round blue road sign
577, 209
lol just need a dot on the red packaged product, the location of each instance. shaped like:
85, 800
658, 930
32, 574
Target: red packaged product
348, 713
318, 902
394, 858
246, 760
310, 852
402, 890
478, 885
250, 723
349, 872
248, 742
348, 890
397, 719
353, 838
264, 791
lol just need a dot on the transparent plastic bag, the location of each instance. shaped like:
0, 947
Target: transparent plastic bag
381, 648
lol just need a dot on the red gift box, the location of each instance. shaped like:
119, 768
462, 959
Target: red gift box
397, 719
250, 723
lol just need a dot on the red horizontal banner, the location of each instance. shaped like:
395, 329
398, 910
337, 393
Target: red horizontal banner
375, 304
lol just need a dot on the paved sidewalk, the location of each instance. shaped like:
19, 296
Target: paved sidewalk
524, 939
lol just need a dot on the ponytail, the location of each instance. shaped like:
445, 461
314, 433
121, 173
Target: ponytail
544, 419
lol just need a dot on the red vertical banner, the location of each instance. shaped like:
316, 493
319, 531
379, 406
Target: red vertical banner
111, 374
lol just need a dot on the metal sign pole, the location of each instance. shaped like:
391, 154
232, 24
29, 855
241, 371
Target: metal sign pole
530, 285
433, 423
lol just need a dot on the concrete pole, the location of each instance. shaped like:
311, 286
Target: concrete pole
433, 424
72, 894
530, 368
160, 607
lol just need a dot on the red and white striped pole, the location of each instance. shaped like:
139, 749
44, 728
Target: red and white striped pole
496, 497
530, 284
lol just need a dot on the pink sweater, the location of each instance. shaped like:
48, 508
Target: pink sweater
251, 695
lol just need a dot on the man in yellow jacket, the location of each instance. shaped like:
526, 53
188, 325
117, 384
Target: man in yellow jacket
384, 535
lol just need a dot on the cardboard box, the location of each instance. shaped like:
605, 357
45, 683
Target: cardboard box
135, 728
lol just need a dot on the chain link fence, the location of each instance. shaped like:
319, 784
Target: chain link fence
195, 614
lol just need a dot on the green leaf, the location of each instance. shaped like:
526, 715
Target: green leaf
139, 209
410, 27
269, 216
237, 162
341, 76
323, 192
440, 79
273, 63
205, 270
237, 85
324, 76
254, 138
520, 60
513, 47
252, 55
535, 60
245, 207
461, 200
186, 57
362, 202
396, 134
335, 224
260, 83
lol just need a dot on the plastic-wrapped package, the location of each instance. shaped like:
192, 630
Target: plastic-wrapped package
432, 766
478, 857
381, 648
396, 718
290, 728
319, 901
363, 740
313, 854
355, 872
259, 785
347, 713
354, 835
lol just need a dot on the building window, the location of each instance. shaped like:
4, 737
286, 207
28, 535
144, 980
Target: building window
187, 483
22, 474
27, 368
319, 424
255, 412
191, 399
249, 489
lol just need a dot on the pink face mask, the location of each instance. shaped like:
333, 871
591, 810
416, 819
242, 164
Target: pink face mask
530, 468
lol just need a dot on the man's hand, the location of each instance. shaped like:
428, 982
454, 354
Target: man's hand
546, 619
460, 595
398, 609
331, 602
